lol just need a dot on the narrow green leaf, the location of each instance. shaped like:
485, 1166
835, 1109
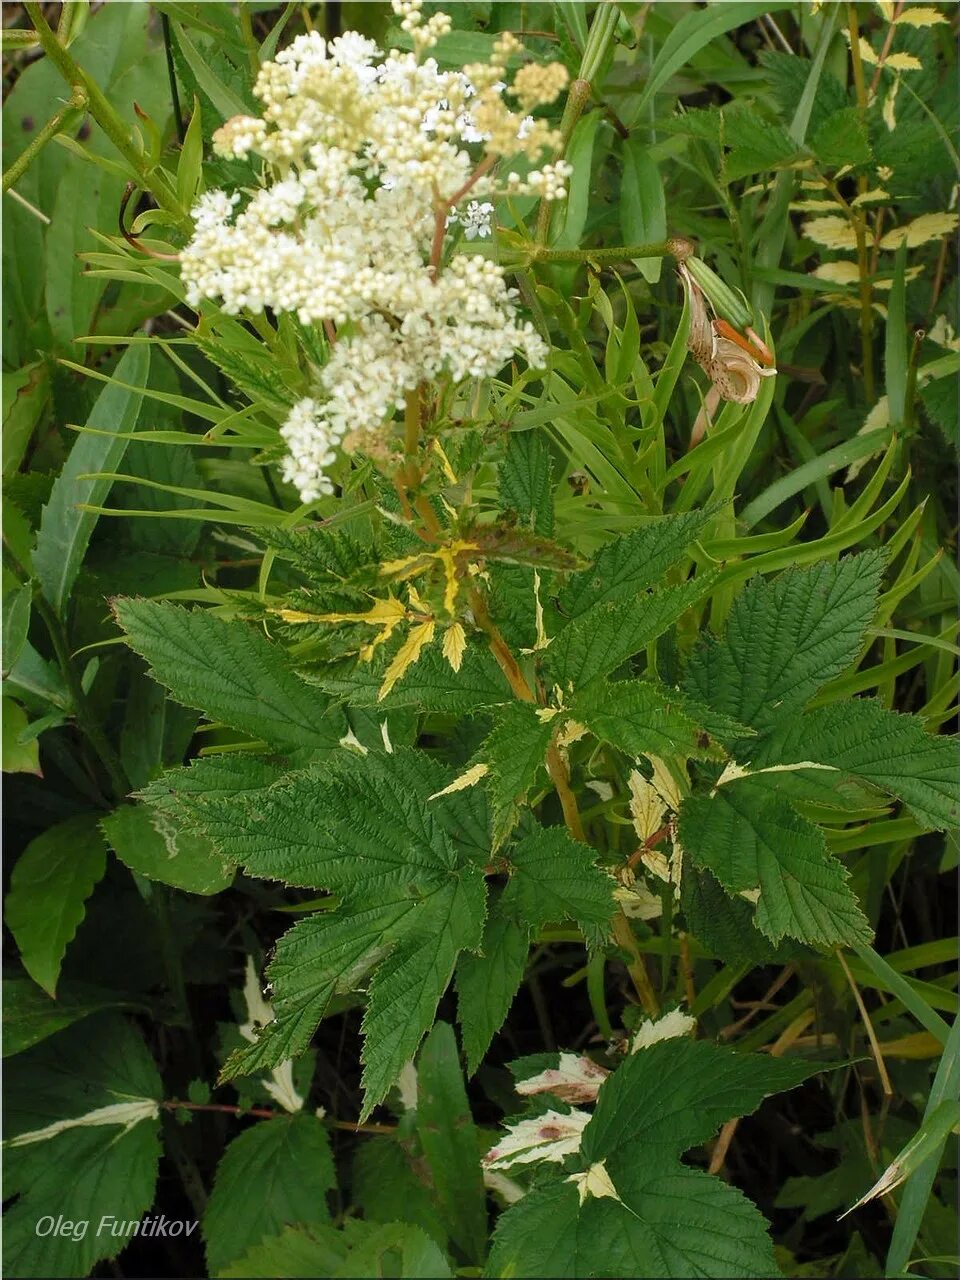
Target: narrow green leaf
64, 529
643, 211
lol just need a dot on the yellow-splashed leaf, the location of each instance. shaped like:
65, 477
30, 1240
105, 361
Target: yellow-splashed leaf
468, 779
379, 614
448, 471
646, 806
890, 105
447, 557
454, 645
833, 233
903, 62
870, 197
923, 16
887, 9
866, 52
408, 567
929, 226
838, 272
407, 655
571, 732
814, 206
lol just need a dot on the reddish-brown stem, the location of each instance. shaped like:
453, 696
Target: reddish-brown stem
887, 42
651, 842
264, 1113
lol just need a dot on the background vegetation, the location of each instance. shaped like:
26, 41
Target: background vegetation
809, 151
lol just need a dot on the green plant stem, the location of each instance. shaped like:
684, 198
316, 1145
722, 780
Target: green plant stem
618, 253
602, 30
577, 98
59, 121
86, 720
860, 222
102, 111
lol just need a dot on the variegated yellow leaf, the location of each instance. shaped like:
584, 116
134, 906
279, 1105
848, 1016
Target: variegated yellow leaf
833, 233
646, 805
870, 197
447, 557
929, 226
814, 206
454, 645
890, 105
468, 779
448, 471
903, 62
838, 272
407, 567
923, 16
407, 655
866, 52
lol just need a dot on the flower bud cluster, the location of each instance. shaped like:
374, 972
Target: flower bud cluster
366, 165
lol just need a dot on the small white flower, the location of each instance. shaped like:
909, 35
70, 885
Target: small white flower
475, 219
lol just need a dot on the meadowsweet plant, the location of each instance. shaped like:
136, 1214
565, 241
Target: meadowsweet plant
369, 166
486, 647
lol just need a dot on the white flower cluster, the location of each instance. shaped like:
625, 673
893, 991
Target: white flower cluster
367, 167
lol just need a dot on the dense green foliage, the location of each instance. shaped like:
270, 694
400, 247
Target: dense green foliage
534, 857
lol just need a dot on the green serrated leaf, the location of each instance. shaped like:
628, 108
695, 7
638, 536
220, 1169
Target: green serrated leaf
638, 717
606, 635
488, 980
750, 840
389, 1183
786, 638
514, 752
430, 685
356, 1249
631, 563
526, 480
893, 751
230, 672
656, 1218
30, 1015
274, 1175
842, 139
450, 1142
553, 878
49, 887
405, 991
